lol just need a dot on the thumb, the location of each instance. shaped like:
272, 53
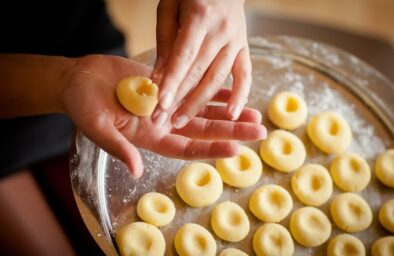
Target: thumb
113, 142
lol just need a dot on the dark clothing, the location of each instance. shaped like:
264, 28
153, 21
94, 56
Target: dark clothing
66, 28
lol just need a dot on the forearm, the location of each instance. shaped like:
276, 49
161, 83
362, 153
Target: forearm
32, 84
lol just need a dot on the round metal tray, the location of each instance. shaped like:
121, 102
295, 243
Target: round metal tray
326, 77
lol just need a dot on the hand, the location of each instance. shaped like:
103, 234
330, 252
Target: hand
90, 100
198, 43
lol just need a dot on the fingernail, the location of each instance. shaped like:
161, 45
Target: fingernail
181, 121
166, 100
235, 112
161, 119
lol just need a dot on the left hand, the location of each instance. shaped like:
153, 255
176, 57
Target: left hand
198, 43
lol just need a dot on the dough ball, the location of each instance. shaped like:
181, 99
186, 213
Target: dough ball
273, 239
270, 203
351, 212
193, 239
330, 132
386, 215
230, 222
232, 252
383, 246
345, 245
139, 95
140, 238
283, 151
350, 172
156, 209
287, 110
312, 184
242, 170
384, 168
199, 184
309, 226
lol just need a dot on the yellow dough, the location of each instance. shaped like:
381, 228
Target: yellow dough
156, 209
240, 171
351, 212
330, 132
140, 238
345, 245
287, 110
350, 172
383, 246
386, 215
139, 95
283, 151
230, 222
309, 226
384, 168
232, 252
193, 239
199, 184
270, 203
273, 239
312, 184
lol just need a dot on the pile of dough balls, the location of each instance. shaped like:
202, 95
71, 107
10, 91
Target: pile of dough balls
200, 185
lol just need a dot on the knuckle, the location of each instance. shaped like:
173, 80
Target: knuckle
186, 53
195, 74
218, 78
225, 26
201, 9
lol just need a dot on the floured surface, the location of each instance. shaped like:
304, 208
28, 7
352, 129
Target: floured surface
271, 74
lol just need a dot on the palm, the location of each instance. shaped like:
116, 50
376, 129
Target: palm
91, 102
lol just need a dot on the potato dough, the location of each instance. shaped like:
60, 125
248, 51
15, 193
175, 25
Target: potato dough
345, 245
199, 184
350, 172
312, 184
383, 246
287, 110
273, 239
193, 239
140, 238
283, 151
156, 209
240, 171
232, 252
351, 212
330, 132
386, 215
310, 226
139, 95
230, 222
270, 203
384, 168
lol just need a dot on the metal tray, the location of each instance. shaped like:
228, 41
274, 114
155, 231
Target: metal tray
328, 79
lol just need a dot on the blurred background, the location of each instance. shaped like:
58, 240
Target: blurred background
364, 28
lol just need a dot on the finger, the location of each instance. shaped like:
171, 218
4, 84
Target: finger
177, 146
113, 142
220, 113
186, 47
242, 77
208, 87
208, 51
206, 129
166, 30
